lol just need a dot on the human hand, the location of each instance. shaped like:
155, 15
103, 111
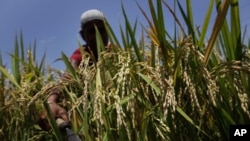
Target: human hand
57, 111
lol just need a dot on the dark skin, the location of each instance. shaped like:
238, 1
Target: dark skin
88, 35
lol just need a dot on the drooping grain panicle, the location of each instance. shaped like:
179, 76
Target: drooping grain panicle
167, 86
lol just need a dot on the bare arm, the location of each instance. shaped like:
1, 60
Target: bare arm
56, 95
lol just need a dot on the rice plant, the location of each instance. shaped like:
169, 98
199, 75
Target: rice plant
164, 87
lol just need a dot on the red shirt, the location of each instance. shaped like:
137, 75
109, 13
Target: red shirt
76, 55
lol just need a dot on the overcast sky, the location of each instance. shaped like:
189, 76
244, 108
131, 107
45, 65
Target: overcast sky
54, 24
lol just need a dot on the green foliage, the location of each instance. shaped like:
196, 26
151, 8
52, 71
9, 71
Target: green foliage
17, 114
166, 89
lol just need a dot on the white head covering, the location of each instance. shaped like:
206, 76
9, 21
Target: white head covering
92, 14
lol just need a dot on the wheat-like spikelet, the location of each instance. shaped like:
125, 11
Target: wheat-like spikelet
190, 89
169, 98
123, 89
212, 88
47, 90
243, 97
98, 101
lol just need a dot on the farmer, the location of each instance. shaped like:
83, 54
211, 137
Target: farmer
89, 20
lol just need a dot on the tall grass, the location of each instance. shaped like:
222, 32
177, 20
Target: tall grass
18, 86
166, 89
